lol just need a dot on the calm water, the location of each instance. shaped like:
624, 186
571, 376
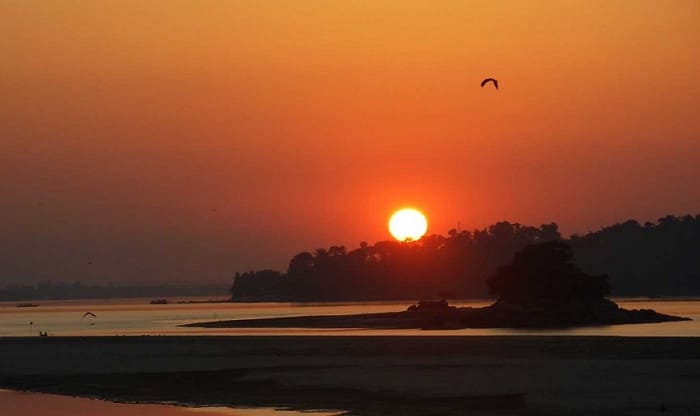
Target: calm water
138, 317
35, 404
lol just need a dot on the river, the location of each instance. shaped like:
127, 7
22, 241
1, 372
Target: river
139, 317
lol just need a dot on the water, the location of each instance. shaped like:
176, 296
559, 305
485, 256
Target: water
37, 404
138, 317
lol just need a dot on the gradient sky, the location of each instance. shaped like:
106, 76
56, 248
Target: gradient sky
181, 141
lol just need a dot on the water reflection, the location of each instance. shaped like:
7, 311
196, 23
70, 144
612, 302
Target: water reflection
138, 317
39, 404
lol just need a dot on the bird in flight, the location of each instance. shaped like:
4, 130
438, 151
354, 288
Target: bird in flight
89, 314
487, 80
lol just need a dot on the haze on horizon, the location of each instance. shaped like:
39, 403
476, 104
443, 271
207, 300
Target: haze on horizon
184, 140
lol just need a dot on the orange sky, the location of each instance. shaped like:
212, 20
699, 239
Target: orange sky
123, 125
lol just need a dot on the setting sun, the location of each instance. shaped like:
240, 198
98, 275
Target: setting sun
408, 224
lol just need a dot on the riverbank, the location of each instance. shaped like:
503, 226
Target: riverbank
369, 375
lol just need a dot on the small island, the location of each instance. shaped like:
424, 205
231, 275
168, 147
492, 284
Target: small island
541, 288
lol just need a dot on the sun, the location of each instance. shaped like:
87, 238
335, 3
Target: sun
408, 224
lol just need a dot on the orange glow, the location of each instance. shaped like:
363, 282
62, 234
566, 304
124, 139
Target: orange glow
408, 224
178, 138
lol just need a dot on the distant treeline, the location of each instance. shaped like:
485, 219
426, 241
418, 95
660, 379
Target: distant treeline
49, 290
651, 259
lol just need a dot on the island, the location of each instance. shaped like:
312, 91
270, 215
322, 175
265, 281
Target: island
541, 288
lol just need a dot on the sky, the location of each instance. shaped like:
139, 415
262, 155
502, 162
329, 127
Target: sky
181, 141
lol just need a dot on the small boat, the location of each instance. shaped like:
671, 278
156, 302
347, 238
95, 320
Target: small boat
27, 305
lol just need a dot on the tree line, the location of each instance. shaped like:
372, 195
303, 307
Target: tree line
650, 259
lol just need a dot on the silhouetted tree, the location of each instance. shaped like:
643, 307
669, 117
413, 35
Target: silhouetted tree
661, 259
546, 273
654, 259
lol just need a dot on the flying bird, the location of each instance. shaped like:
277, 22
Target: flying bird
487, 80
89, 314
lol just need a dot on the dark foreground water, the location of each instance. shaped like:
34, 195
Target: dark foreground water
388, 376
